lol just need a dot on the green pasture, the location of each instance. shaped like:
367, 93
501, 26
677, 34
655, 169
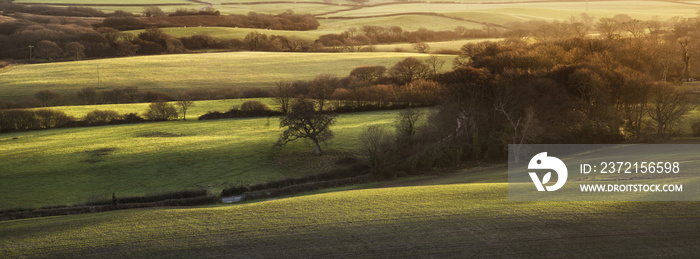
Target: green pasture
70, 166
455, 220
171, 73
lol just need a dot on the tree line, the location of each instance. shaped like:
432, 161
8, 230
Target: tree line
577, 90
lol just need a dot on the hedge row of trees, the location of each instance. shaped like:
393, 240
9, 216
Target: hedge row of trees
354, 38
13, 120
285, 21
407, 83
54, 38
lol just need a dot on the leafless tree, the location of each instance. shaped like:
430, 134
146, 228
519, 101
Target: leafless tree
667, 106
322, 88
184, 101
283, 94
304, 122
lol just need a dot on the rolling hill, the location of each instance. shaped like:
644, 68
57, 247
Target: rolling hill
459, 220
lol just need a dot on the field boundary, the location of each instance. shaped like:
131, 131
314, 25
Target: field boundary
107, 5
411, 13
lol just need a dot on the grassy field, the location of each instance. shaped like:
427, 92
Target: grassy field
69, 166
454, 220
171, 73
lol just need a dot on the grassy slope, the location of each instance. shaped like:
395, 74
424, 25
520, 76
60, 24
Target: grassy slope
62, 166
176, 72
458, 220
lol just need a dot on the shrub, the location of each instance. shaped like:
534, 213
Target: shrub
49, 98
253, 106
161, 111
101, 116
48, 119
17, 120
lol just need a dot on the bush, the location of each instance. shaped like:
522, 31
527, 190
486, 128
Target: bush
101, 117
253, 106
49, 119
19, 120
49, 98
161, 111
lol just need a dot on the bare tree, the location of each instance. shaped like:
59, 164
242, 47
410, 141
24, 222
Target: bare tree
372, 140
435, 64
305, 123
406, 126
368, 74
255, 41
283, 94
48, 98
667, 106
685, 42
409, 69
153, 11
635, 94
87, 95
421, 47
608, 28
522, 127
322, 88
184, 101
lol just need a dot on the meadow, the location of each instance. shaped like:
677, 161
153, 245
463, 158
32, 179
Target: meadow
415, 220
171, 73
71, 166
